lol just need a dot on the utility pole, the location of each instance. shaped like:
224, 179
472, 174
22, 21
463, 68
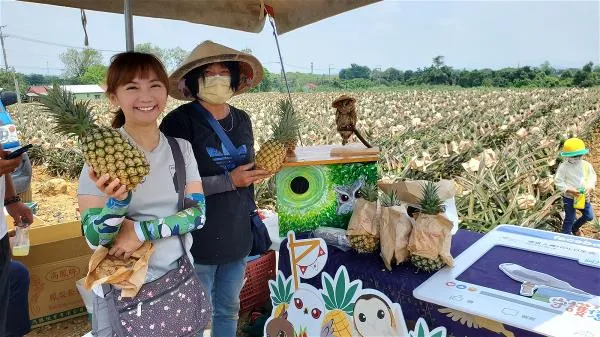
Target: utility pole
3, 50
311, 67
13, 70
330, 71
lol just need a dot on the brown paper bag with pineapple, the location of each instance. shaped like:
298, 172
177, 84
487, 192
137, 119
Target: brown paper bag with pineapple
396, 226
363, 227
431, 238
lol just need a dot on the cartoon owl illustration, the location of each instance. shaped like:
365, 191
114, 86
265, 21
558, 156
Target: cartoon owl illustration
306, 311
346, 118
347, 195
373, 316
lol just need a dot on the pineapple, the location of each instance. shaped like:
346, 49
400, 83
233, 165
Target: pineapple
104, 149
339, 302
271, 155
365, 242
281, 294
431, 204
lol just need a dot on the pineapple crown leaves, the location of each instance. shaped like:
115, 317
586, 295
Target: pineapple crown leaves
281, 290
339, 297
369, 192
72, 118
286, 129
430, 201
389, 199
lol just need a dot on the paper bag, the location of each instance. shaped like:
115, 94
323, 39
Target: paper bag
431, 237
396, 226
365, 218
128, 275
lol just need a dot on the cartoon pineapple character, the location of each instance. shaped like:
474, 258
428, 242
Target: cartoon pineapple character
281, 294
339, 296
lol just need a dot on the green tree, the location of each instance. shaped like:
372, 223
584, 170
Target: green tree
94, 74
355, 71
78, 61
7, 81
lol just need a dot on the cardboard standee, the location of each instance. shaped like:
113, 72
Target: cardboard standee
342, 308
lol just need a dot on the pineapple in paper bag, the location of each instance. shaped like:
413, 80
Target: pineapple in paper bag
363, 228
431, 237
104, 149
395, 228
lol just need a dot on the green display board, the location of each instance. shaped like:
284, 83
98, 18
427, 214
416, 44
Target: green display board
320, 195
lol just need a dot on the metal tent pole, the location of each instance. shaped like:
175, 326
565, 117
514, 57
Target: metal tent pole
127, 12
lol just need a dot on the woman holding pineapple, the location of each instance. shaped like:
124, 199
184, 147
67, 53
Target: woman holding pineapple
140, 183
210, 76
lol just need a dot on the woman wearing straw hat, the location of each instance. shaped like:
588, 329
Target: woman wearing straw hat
210, 76
576, 178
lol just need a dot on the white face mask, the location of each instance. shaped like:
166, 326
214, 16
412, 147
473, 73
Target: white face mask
215, 89
573, 160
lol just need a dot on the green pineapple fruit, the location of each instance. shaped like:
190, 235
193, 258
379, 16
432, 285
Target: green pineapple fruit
104, 149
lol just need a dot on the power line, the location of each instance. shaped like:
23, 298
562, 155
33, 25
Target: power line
18, 37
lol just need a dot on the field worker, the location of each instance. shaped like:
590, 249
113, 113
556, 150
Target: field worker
208, 78
575, 178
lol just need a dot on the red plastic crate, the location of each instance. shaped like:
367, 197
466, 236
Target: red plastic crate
255, 292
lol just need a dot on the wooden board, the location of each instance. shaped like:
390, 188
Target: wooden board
332, 154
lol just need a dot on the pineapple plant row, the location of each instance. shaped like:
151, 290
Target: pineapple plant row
104, 149
272, 153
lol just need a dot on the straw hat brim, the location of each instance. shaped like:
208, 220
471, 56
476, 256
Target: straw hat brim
251, 70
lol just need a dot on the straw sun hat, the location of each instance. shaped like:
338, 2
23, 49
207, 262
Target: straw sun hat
251, 71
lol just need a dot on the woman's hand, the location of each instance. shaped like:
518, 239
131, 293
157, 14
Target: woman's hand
112, 189
126, 242
244, 176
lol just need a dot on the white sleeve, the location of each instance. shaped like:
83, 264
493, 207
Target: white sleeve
591, 181
559, 178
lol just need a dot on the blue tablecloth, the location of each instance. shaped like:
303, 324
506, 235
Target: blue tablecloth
399, 284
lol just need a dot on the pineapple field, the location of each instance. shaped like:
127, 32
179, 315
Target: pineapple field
499, 145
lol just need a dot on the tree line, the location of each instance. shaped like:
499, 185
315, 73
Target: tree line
87, 67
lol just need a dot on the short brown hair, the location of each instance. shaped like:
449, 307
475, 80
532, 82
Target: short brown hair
124, 67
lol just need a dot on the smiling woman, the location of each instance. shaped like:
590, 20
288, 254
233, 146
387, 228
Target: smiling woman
127, 221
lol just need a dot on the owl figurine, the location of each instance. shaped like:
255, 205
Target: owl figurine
346, 118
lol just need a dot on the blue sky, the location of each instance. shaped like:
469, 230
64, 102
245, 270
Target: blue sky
400, 34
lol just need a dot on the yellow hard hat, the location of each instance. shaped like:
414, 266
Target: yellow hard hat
574, 147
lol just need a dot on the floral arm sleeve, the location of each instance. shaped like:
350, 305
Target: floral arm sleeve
101, 225
184, 221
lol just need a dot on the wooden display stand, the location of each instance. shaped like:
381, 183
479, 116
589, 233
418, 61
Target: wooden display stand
318, 184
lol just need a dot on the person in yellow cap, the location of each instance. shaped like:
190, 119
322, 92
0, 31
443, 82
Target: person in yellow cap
575, 178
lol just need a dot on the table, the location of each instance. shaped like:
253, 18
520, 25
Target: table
399, 284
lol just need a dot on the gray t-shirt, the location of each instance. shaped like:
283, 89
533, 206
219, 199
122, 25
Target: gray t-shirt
155, 198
